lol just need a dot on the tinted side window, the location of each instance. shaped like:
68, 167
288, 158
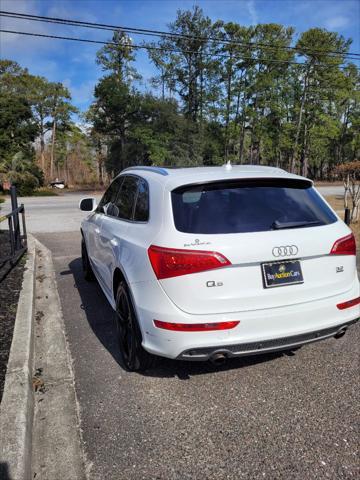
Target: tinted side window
126, 198
111, 193
142, 202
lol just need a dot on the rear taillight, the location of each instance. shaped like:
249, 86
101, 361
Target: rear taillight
344, 246
349, 304
172, 262
196, 327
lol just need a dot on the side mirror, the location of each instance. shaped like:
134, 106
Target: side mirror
88, 204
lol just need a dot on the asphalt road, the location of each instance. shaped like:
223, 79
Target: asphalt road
279, 416
51, 214
331, 190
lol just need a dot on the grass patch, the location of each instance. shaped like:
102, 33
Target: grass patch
44, 192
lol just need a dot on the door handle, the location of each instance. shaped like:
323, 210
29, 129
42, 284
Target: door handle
114, 242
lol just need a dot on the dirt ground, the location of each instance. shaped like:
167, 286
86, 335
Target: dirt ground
337, 203
320, 183
9, 295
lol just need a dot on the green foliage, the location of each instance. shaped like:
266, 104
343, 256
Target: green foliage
30, 106
242, 100
17, 129
24, 174
116, 57
226, 92
24, 182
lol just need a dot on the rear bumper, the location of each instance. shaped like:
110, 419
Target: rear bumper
261, 330
266, 346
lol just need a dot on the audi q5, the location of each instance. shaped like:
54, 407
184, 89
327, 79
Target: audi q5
218, 262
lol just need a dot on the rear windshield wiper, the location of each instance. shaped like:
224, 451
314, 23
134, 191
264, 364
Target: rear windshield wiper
283, 225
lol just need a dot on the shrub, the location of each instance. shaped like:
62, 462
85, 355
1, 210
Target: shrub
37, 173
24, 182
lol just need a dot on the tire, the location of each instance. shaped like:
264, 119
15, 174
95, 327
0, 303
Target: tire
87, 270
135, 357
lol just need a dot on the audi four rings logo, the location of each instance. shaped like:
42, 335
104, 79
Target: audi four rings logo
285, 251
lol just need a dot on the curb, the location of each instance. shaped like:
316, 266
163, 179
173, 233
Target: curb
57, 445
17, 406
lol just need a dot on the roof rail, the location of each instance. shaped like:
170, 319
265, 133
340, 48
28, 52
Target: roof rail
159, 170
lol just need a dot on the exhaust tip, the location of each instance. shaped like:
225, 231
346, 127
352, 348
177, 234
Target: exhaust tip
218, 359
340, 333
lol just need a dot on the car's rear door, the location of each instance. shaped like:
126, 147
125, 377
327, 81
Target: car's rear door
94, 226
115, 225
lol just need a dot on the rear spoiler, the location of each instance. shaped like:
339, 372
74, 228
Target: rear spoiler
291, 182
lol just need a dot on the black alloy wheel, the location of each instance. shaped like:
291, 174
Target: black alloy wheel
135, 358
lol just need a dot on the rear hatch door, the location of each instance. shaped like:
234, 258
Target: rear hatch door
277, 236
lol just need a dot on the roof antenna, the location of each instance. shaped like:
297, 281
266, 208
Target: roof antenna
228, 165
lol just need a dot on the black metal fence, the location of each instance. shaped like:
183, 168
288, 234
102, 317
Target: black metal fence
15, 236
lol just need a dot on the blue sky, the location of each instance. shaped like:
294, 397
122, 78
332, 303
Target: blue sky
74, 63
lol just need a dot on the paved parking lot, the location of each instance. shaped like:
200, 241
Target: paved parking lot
277, 416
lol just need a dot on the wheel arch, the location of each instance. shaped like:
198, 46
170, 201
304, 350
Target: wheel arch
118, 276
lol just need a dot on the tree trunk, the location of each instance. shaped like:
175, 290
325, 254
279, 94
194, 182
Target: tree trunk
163, 85
100, 170
304, 159
242, 128
201, 90
42, 151
66, 170
42, 145
242, 139
227, 107
298, 128
52, 150
122, 144
100, 164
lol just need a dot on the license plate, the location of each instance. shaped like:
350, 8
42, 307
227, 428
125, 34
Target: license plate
278, 274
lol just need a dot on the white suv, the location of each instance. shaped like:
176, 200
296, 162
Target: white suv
216, 262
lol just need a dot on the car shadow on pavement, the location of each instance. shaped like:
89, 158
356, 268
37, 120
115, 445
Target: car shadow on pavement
4, 471
100, 317
98, 312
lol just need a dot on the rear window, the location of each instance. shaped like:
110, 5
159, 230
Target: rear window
255, 205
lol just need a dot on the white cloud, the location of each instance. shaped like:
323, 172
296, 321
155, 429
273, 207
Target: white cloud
21, 6
81, 94
339, 21
20, 44
70, 10
250, 4
341, 16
